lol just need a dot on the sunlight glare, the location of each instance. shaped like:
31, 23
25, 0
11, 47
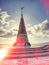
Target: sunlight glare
3, 53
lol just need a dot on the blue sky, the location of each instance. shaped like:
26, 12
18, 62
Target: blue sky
34, 10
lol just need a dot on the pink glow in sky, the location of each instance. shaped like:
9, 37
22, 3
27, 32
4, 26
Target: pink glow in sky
46, 5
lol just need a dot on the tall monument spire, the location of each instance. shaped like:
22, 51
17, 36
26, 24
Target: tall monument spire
22, 38
22, 11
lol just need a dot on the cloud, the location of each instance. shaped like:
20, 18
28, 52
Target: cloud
38, 33
7, 26
3, 16
42, 28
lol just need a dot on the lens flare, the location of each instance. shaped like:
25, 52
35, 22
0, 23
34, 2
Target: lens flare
3, 53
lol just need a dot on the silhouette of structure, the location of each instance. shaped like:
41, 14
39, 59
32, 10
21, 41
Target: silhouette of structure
22, 39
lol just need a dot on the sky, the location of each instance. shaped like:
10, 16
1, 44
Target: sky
36, 17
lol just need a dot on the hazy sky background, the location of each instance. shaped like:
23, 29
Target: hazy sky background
36, 17
35, 11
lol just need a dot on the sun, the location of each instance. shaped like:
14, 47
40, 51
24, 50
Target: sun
3, 53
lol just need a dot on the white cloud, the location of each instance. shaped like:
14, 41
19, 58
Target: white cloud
3, 16
39, 33
42, 28
7, 26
